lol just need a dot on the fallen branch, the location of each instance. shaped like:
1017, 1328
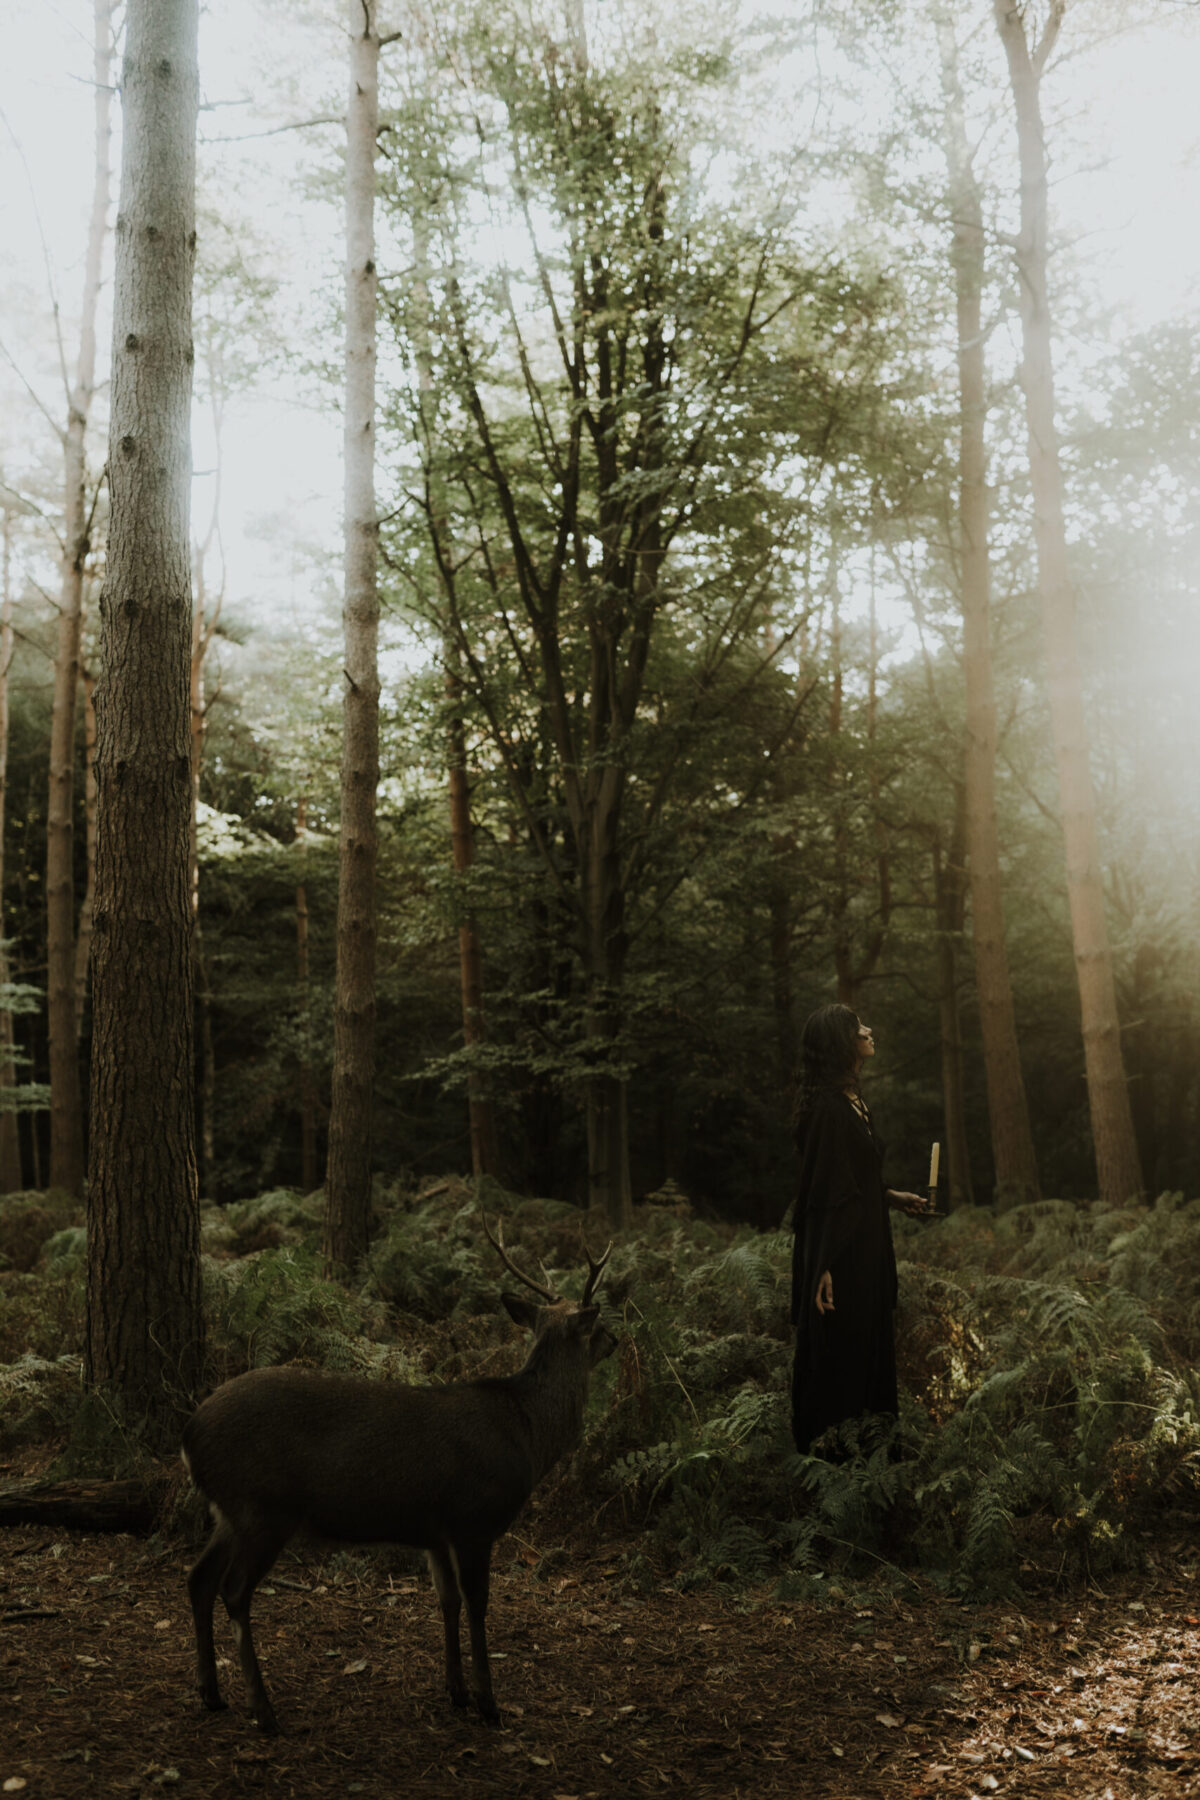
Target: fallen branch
83, 1505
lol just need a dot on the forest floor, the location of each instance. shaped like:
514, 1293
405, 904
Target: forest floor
605, 1692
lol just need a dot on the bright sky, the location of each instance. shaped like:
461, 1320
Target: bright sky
1135, 215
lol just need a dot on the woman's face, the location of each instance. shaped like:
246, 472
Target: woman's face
864, 1046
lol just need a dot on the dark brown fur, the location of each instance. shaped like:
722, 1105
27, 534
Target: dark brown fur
446, 1469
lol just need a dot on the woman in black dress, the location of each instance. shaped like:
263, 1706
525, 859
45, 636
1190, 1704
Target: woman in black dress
843, 1263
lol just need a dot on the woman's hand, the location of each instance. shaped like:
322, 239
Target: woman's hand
915, 1205
825, 1293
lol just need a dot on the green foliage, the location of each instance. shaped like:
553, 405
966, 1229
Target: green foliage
273, 1306
1047, 1418
38, 1397
1050, 1401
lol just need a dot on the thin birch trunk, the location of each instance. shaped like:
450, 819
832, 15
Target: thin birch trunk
145, 1322
1117, 1163
348, 1164
1008, 1112
66, 1112
10, 1148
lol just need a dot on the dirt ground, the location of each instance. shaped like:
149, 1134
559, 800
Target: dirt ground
605, 1693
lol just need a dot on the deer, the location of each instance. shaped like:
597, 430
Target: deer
443, 1469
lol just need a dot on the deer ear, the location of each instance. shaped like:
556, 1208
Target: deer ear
522, 1311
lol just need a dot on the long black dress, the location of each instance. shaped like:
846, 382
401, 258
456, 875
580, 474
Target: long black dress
845, 1359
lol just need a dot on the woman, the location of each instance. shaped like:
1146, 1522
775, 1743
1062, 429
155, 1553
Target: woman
843, 1263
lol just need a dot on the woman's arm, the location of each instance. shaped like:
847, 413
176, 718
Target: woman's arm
915, 1205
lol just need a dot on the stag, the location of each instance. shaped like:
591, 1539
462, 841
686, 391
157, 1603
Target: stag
445, 1469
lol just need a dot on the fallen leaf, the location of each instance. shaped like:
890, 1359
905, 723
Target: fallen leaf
1027, 1755
14, 1784
891, 1722
989, 1782
354, 1668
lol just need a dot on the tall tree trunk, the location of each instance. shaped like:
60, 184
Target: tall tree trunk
308, 1087
83, 936
481, 1112
145, 1323
1117, 1165
66, 1117
348, 1164
485, 1154
1008, 1113
950, 895
606, 1098
10, 1148
853, 970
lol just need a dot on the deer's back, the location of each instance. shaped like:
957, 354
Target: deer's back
362, 1460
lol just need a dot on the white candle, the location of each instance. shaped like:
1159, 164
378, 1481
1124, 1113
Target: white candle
933, 1165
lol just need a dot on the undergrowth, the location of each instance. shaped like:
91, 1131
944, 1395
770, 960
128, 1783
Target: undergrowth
1050, 1418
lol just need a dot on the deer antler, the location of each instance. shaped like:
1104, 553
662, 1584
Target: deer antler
595, 1270
547, 1294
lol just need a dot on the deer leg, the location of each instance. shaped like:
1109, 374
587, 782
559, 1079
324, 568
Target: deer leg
474, 1574
445, 1579
203, 1584
254, 1551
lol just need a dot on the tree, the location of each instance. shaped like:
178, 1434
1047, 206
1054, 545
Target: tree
1117, 1163
481, 1111
145, 1324
607, 539
348, 1164
66, 1118
10, 1154
1012, 1138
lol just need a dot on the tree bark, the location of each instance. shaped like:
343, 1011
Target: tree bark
145, 1324
308, 1089
84, 1505
950, 891
1008, 1112
83, 936
485, 1153
348, 1164
852, 971
66, 1115
10, 1147
481, 1112
1117, 1165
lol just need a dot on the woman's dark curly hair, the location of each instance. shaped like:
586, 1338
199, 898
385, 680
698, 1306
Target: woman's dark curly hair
828, 1053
